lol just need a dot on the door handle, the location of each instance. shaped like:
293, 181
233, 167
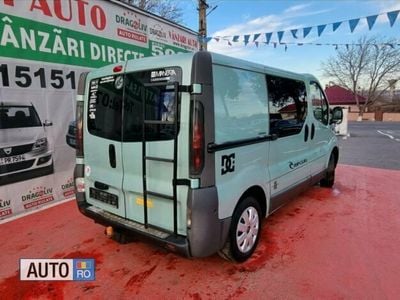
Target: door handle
306, 133
111, 156
312, 131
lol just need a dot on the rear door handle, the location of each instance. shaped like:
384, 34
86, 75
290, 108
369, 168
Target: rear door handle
312, 131
306, 133
111, 156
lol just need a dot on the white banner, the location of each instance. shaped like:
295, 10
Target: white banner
44, 47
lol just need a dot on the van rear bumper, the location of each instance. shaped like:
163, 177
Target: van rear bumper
206, 235
175, 243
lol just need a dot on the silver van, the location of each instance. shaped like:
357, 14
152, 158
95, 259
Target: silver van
24, 147
193, 150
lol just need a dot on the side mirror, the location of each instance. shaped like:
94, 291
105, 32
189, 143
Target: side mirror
47, 123
336, 115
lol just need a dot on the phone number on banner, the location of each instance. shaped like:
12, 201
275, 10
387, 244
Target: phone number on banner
25, 77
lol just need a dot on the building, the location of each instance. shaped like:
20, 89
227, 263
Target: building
340, 96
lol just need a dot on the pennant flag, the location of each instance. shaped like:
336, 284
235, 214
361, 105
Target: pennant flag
280, 35
246, 39
256, 36
353, 24
306, 31
208, 39
235, 38
321, 28
268, 37
392, 16
294, 33
217, 39
371, 21
336, 25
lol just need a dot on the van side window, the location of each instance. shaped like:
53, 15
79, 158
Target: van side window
287, 105
240, 104
319, 103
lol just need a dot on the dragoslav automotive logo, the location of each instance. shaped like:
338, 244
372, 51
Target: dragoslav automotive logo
68, 188
134, 27
5, 208
157, 32
37, 196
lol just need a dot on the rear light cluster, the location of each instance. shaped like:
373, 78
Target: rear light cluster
79, 129
197, 139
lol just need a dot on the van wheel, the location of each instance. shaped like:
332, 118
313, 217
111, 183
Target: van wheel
244, 232
329, 178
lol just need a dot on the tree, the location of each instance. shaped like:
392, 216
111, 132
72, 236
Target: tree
164, 8
368, 65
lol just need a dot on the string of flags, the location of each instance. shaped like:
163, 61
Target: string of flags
266, 38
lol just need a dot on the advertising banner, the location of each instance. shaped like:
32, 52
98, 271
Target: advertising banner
44, 47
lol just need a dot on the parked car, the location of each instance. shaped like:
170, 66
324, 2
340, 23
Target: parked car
24, 146
70, 137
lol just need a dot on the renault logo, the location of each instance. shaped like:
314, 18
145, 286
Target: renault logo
7, 151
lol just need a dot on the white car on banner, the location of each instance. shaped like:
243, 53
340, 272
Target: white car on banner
24, 146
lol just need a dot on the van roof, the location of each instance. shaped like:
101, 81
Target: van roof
186, 58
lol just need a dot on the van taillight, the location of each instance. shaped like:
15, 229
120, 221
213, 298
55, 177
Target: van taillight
197, 139
79, 129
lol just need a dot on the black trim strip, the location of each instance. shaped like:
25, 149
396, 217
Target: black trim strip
182, 182
212, 147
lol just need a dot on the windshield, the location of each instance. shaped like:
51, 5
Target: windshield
18, 117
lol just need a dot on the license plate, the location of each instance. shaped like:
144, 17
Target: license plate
11, 159
104, 197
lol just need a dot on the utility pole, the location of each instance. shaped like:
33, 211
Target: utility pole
203, 24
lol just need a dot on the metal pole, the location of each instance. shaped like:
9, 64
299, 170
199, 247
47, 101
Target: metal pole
203, 24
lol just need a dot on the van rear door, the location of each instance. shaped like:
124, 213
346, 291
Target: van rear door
150, 161
102, 144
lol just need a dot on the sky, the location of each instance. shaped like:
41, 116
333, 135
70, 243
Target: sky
240, 17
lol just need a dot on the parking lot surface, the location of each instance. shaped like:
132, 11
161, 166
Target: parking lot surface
326, 244
371, 144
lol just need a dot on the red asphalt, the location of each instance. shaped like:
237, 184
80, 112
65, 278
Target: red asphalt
326, 244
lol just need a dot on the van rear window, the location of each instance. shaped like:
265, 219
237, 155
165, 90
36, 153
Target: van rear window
115, 106
105, 107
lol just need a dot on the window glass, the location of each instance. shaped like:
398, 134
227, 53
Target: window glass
240, 104
287, 105
319, 103
18, 117
105, 107
160, 106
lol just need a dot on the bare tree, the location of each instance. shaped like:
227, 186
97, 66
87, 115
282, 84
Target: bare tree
367, 65
164, 8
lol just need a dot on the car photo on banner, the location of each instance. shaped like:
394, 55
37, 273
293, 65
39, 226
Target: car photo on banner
24, 146
70, 137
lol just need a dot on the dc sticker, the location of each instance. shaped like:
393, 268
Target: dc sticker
227, 163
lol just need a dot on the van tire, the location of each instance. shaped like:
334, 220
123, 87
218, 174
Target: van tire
329, 178
235, 249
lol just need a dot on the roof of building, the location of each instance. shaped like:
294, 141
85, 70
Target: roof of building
341, 96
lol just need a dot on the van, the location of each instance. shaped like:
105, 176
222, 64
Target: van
194, 150
24, 146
